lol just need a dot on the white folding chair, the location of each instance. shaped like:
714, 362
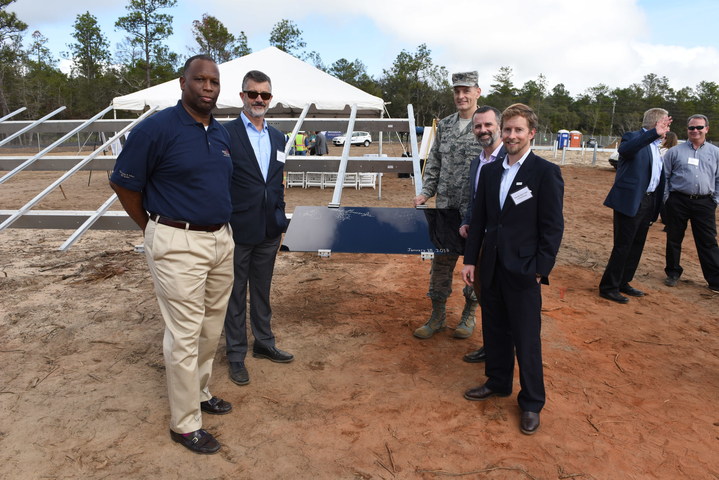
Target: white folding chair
367, 180
313, 179
295, 179
329, 179
350, 180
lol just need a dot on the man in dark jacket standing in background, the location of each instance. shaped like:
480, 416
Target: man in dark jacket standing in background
320, 144
636, 198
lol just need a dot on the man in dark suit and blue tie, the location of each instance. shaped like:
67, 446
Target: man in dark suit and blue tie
258, 220
514, 236
636, 198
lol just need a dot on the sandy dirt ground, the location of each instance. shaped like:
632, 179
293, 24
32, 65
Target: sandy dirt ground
631, 389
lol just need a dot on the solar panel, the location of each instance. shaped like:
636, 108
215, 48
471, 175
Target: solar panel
374, 230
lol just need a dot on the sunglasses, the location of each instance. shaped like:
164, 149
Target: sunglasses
693, 127
252, 94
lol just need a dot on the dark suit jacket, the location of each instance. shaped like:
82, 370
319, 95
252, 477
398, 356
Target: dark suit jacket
472, 187
258, 206
634, 172
524, 237
321, 144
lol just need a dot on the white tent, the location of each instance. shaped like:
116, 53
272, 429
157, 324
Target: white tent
294, 84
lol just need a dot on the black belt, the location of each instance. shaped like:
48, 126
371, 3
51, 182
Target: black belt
691, 196
649, 194
185, 225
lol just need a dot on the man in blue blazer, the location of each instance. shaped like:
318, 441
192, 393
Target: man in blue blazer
485, 126
258, 221
514, 236
636, 198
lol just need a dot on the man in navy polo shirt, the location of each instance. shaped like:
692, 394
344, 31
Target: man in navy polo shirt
173, 179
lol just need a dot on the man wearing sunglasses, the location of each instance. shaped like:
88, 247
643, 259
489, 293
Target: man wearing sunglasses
635, 197
258, 220
692, 176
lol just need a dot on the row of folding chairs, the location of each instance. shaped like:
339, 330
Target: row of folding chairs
329, 180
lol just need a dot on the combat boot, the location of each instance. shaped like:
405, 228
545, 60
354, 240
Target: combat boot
466, 325
436, 322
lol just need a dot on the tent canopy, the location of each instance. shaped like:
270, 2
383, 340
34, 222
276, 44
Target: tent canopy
294, 85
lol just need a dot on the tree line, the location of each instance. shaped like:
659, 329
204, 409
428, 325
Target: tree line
30, 77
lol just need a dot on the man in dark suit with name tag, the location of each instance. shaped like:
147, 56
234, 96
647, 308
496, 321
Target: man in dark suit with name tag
514, 236
636, 198
258, 220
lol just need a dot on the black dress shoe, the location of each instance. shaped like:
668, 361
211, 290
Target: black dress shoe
529, 423
239, 374
631, 291
482, 393
271, 353
216, 406
477, 356
614, 297
198, 441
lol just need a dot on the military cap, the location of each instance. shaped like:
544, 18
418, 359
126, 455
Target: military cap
465, 79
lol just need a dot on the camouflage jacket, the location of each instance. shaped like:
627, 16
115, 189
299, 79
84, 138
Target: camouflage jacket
446, 173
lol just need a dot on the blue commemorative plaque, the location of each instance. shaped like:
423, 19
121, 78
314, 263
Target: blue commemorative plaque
374, 230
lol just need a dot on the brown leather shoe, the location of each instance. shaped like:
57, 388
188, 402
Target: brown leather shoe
199, 441
482, 393
216, 406
529, 423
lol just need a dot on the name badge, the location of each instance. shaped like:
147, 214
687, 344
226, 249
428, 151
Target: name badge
521, 195
281, 156
693, 161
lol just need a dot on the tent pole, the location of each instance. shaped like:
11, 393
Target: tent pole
339, 185
414, 149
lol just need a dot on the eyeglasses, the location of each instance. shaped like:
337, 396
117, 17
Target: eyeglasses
693, 127
252, 94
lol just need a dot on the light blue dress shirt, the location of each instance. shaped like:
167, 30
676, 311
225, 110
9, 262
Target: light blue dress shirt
260, 141
656, 164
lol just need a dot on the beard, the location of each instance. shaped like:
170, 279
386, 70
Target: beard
513, 148
487, 140
256, 110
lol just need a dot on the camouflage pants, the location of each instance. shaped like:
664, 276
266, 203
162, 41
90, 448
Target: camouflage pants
441, 276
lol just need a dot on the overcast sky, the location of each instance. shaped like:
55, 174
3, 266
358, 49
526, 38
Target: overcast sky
578, 43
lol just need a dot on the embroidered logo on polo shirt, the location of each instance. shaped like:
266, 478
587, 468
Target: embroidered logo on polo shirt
226, 152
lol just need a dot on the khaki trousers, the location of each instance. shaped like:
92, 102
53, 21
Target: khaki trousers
193, 274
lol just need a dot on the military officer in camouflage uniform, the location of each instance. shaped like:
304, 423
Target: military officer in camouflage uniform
446, 175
